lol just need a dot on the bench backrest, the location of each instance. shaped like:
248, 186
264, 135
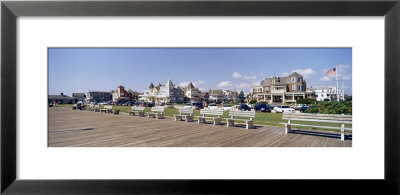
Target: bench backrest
139, 108
108, 107
186, 111
217, 112
158, 109
329, 118
240, 113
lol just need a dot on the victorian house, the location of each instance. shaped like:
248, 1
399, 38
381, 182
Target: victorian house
192, 93
281, 89
163, 93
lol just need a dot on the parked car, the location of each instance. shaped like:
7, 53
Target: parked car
298, 106
244, 107
198, 105
262, 107
227, 107
283, 108
187, 106
213, 107
169, 105
149, 104
125, 103
304, 108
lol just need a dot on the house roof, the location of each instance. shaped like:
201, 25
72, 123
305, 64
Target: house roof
151, 85
78, 94
190, 85
60, 97
282, 80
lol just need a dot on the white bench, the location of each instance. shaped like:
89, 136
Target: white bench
186, 113
243, 114
215, 115
324, 118
107, 109
156, 112
137, 109
91, 107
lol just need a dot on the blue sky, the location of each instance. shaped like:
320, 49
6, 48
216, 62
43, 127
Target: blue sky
81, 69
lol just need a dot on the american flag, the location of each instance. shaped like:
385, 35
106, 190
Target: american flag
331, 72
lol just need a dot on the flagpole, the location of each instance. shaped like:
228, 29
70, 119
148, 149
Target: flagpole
337, 85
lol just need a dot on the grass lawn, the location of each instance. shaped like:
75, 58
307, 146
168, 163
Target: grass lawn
262, 118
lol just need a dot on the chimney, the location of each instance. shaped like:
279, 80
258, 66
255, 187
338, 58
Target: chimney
62, 94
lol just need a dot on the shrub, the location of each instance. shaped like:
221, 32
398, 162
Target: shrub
253, 101
332, 107
306, 101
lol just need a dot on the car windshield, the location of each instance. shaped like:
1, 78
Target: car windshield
285, 106
213, 104
188, 104
227, 105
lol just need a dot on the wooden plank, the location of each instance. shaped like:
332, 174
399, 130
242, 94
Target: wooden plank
91, 129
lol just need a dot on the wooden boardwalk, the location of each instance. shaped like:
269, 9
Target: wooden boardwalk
72, 128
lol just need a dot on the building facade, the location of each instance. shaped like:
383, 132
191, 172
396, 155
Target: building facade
98, 96
60, 99
163, 93
79, 97
121, 95
327, 93
216, 95
192, 93
281, 89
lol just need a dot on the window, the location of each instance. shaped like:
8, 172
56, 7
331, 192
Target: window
299, 87
273, 81
266, 88
294, 87
298, 79
293, 79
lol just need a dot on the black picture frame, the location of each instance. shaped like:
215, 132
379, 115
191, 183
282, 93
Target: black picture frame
11, 10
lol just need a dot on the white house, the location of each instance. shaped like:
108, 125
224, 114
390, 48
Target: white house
327, 93
163, 93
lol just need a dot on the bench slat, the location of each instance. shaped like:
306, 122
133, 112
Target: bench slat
316, 120
212, 112
326, 127
238, 113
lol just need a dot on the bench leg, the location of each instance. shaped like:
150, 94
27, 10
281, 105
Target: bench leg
288, 128
217, 121
189, 118
178, 118
201, 120
230, 123
159, 116
342, 133
249, 124
141, 114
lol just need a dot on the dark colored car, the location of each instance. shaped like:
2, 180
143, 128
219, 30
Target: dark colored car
149, 104
262, 107
304, 108
198, 105
244, 107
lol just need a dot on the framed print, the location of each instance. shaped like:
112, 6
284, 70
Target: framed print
183, 65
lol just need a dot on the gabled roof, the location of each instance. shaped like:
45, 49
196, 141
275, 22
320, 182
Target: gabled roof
190, 85
151, 85
169, 83
295, 74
